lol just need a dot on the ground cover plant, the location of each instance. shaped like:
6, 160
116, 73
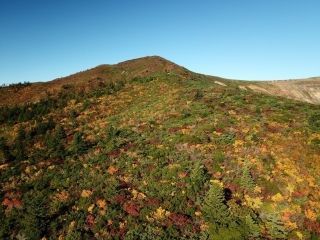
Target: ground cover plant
160, 156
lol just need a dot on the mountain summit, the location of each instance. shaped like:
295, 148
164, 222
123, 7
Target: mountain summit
307, 90
90, 79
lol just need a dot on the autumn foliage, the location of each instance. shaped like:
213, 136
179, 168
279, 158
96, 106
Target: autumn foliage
165, 155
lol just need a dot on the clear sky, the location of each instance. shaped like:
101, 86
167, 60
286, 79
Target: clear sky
241, 39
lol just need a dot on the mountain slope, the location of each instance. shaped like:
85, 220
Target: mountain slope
90, 79
306, 90
160, 155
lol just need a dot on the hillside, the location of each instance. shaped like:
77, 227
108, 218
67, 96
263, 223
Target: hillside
91, 79
146, 149
306, 90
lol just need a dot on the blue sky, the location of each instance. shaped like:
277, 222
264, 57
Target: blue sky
248, 39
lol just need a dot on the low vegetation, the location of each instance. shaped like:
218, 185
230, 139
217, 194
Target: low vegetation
160, 157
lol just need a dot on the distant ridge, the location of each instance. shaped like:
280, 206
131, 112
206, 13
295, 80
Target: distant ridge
306, 90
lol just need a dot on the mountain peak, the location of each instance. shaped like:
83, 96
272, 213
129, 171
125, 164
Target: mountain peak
306, 90
146, 58
93, 78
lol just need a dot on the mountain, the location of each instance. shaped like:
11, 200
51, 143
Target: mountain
146, 149
306, 90
90, 79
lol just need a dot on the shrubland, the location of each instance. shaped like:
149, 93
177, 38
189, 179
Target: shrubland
160, 157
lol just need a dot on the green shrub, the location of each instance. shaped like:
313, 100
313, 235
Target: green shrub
226, 139
197, 178
246, 180
253, 229
218, 159
5, 149
79, 145
56, 143
20, 145
144, 79
314, 122
146, 233
275, 226
316, 143
216, 212
198, 95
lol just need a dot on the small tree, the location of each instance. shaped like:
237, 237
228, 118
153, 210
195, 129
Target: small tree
197, 178
246, 180
19, 144
60, 133
57, 143
79, 145
5, 150
253, 229
21, 134
216, 212
275, 226
222, 224
314, 122
198, 95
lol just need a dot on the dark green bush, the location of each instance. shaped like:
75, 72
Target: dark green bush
5, 149
144, 79
79, 145
314, 121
